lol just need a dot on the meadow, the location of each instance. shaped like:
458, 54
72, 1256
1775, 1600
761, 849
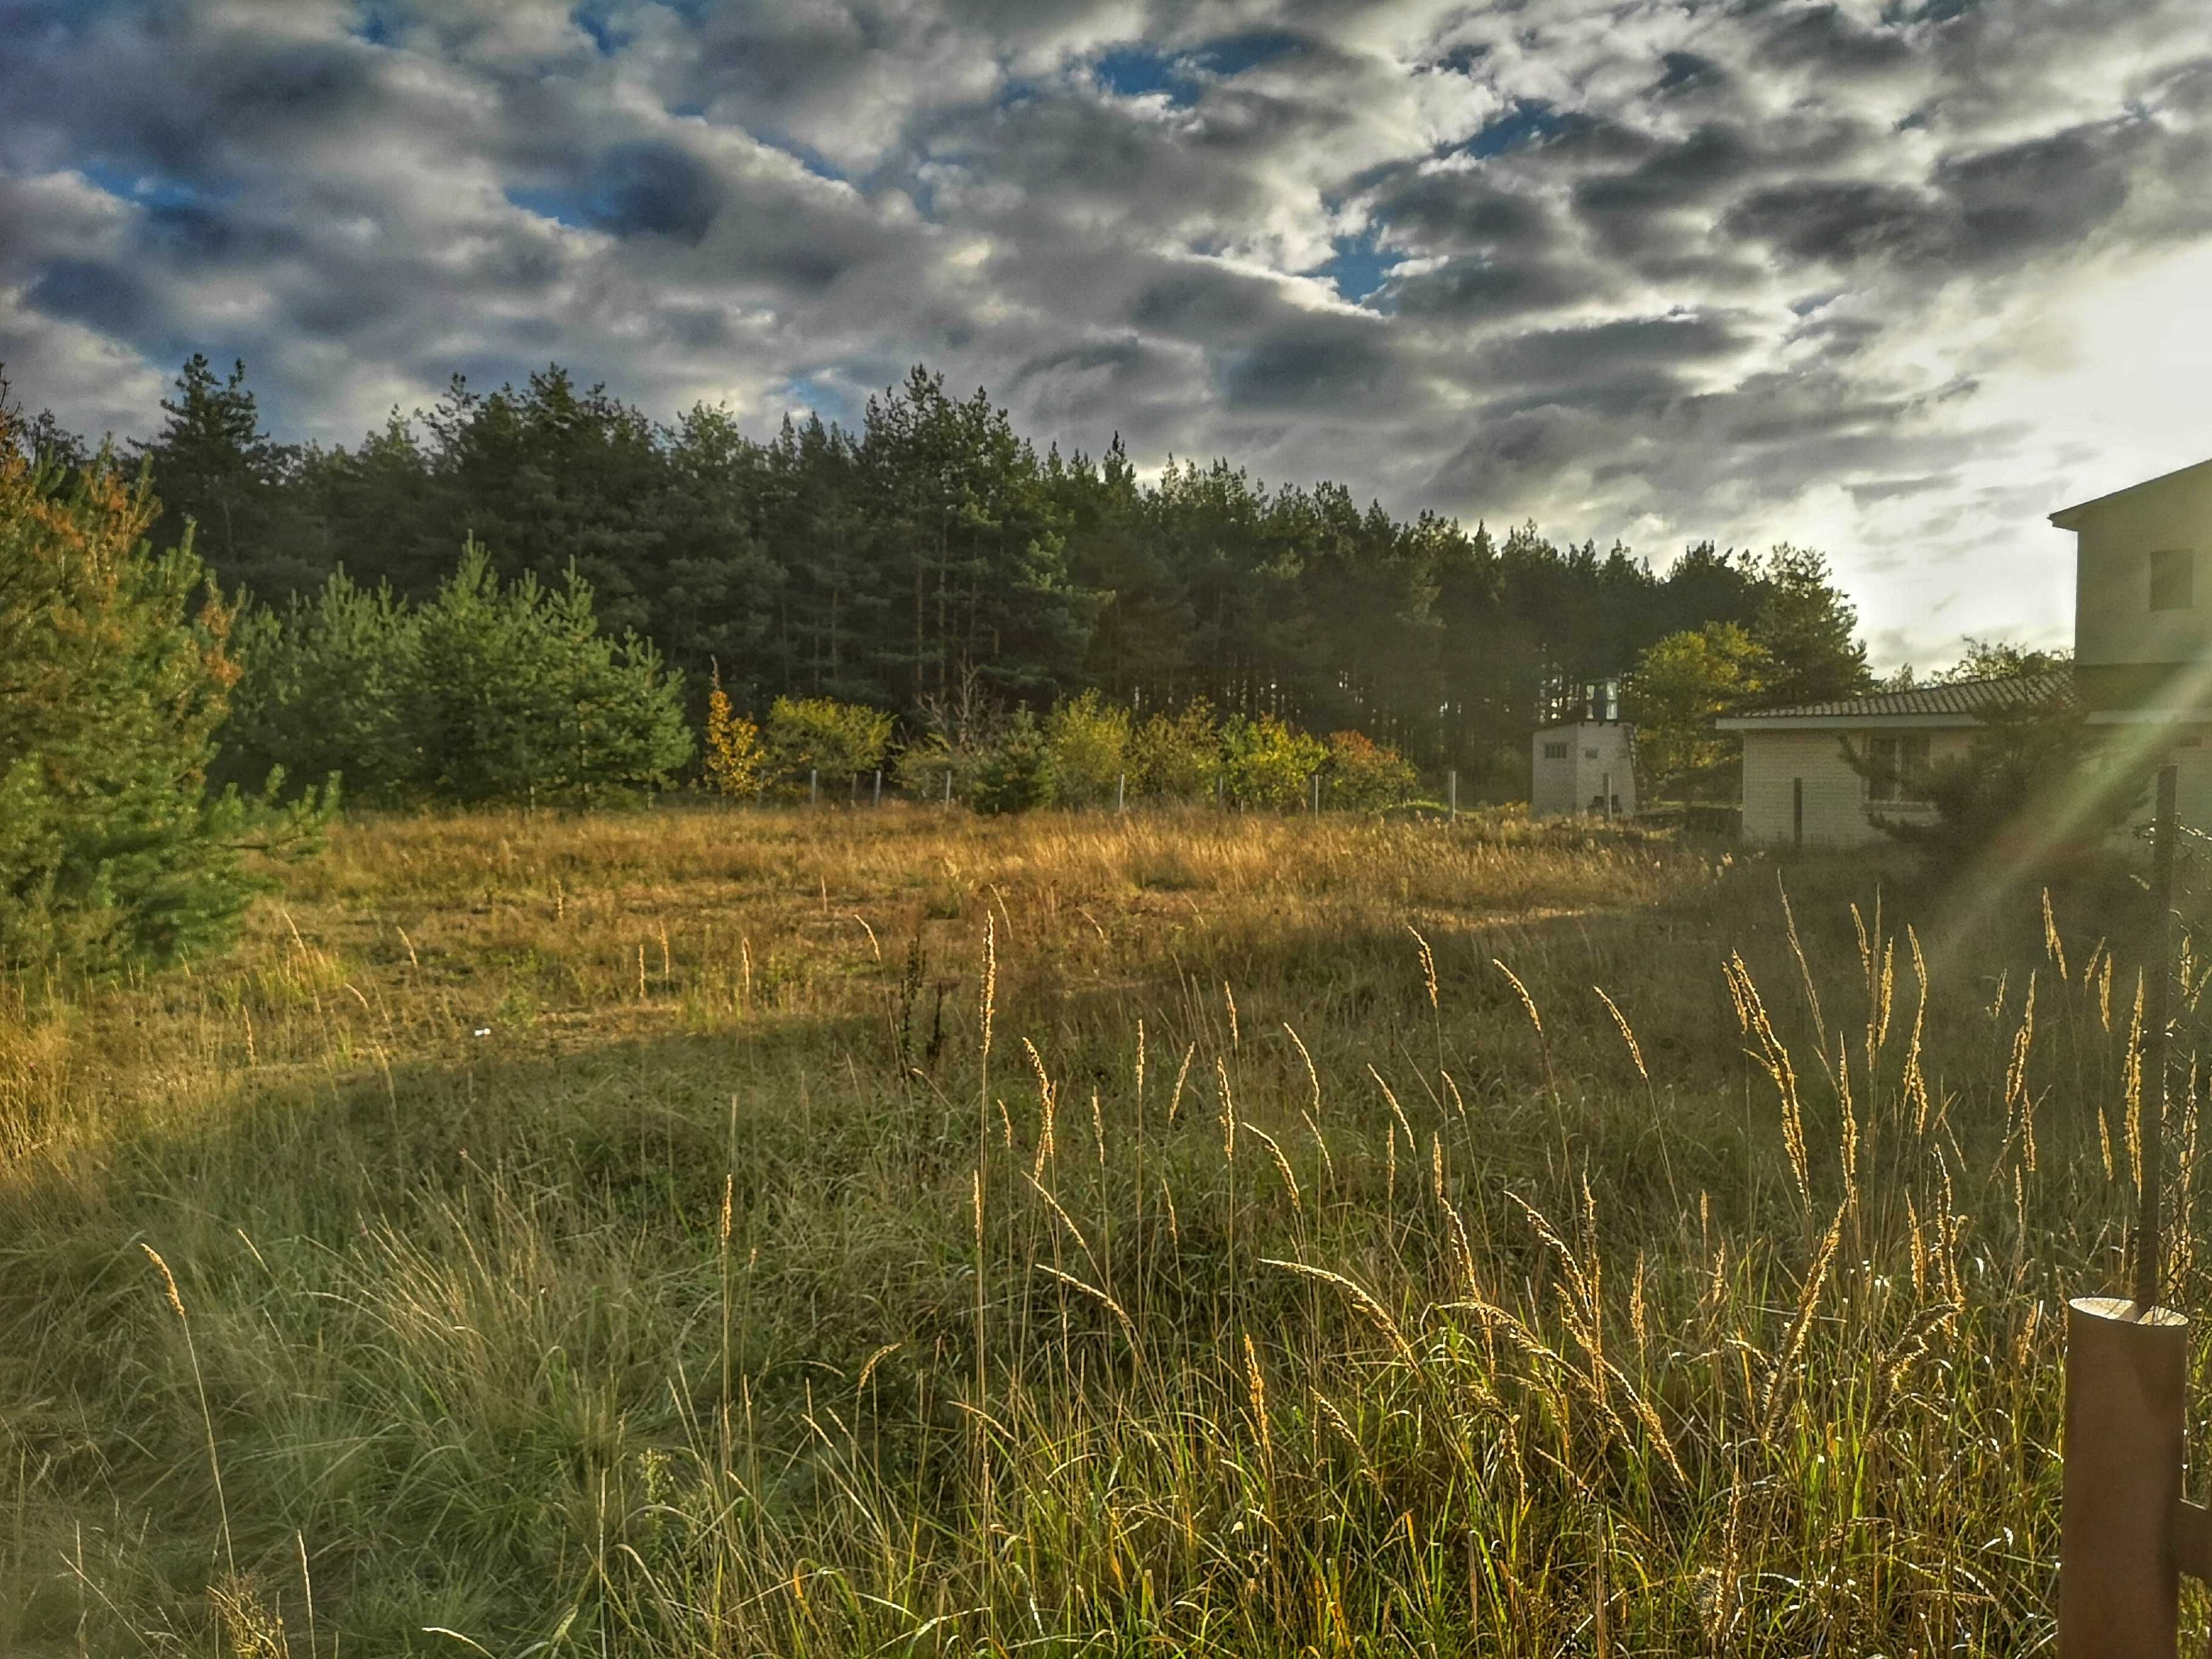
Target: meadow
726, 1233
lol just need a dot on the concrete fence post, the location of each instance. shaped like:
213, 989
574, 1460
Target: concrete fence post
879, 786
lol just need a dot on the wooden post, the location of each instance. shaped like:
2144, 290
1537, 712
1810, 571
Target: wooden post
1797, 813
2150, 1255
2121, 1515
2125, 1534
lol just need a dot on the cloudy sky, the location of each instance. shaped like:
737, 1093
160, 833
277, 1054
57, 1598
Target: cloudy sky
1894, 278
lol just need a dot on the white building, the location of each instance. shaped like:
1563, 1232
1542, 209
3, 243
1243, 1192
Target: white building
1584, 766
1800, 789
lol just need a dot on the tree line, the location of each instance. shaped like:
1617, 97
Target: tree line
931, 554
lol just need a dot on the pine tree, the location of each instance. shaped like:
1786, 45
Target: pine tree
214, 467
513, 693
115, 671
1807, 630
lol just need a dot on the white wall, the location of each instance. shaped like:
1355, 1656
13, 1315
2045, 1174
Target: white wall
1835, 796
1598, 753
2113, 621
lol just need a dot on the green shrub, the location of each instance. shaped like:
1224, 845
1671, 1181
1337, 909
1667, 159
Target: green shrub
1365, 775
487, 693
2038, 793
839, 741
1089, 738
323, 692
1267, 762
1016, 774
1176, 756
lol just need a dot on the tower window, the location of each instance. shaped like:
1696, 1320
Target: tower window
2173, 579
1555, 751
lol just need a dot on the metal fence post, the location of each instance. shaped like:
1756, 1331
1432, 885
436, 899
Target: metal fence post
813, 786
1121, 793
1452, 812
1316, 794
879, 786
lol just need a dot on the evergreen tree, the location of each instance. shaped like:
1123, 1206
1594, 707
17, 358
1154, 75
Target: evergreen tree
513, 693
115, 671
215, 468
1807, 630
325, 685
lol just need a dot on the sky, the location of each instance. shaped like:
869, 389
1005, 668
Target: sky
1893, 278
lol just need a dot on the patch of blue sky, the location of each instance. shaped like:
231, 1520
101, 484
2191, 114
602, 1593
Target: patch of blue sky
1358, 269
1234, 54
571, 208
372, 24
806, 155
151, 189
1530, 121
1138, 69
832, 402
595, 23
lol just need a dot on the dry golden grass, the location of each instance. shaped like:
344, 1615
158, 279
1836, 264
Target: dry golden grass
704, 1232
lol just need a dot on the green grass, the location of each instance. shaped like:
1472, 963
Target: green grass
615, 1235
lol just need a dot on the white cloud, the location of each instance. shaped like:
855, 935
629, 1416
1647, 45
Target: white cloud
1894, 288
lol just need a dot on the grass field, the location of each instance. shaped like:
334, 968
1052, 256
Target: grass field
701, 1233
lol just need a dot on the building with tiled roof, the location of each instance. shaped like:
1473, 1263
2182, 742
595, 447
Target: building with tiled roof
1800, 786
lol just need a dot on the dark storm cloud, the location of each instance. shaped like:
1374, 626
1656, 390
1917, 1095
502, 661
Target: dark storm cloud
1594, 260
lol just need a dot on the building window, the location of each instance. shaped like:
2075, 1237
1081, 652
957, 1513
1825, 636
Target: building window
1899, 771
2173, 579
1555, 751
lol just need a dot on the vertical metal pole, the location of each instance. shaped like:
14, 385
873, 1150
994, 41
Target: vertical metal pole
1121, 793
1316, 794
853, 792
813, 786
1797, 813
1453, 788
948, 786
2150, 1255
879, 786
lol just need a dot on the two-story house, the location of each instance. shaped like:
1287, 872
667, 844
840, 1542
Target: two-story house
2142, 625
2142, 667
